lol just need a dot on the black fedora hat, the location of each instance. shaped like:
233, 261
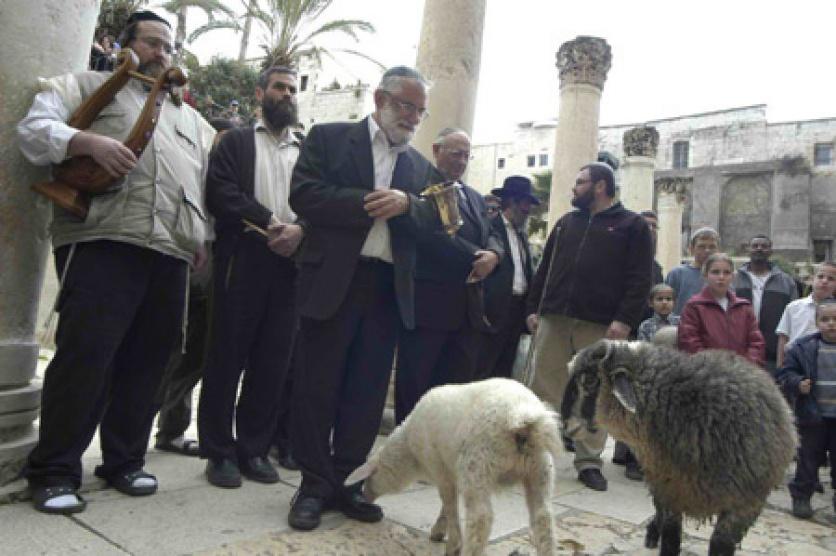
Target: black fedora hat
516, 186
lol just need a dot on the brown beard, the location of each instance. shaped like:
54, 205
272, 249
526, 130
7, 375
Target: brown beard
279, 114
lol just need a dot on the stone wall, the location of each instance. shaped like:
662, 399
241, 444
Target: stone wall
353, 102
726, 150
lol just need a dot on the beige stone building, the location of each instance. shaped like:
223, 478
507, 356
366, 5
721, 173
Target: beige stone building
742, 173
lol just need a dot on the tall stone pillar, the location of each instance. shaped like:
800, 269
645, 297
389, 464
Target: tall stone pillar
37, 39
640, 144
583, 64
670, 202
449, 54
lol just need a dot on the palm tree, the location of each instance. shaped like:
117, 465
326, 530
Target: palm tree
287, 20
233, 23
245, 32
181, 7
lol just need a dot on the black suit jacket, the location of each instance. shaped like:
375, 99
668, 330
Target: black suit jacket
230, 188
332, 175
442, 298
499, 285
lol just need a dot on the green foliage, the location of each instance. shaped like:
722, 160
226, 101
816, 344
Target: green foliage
537, 218
114, 14
288, 24
224, 79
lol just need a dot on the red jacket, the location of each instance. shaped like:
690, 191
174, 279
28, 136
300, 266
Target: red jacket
704, 325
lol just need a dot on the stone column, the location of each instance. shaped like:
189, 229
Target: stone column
583, 64
640, 144
670, 202
449, 55
38, 39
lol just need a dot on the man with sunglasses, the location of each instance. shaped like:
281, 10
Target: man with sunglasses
357, 187
123, 270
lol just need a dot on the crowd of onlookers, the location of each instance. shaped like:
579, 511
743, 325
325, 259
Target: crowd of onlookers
755, 311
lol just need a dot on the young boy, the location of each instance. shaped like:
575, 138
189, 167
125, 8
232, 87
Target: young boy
686, 279
809, 378
799, 315
661, 301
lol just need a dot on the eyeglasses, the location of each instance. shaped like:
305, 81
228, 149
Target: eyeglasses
581, 182
408, 107
492, 209
455, 153
154, 43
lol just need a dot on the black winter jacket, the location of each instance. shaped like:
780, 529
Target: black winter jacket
801, 362
603, 266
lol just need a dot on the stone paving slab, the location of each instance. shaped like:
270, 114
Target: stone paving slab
419, 510
181, 521
623, 502
25, 531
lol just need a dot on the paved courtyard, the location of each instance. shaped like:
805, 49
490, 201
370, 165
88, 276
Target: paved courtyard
189, 516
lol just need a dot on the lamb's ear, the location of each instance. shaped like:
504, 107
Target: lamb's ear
361, 473
622, 388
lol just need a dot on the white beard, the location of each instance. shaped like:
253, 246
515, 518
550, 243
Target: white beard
389, 119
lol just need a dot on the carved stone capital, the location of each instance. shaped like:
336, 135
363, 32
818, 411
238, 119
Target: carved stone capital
584, 60
674, 186
641, 141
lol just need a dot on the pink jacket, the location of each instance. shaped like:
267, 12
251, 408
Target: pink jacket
704, 325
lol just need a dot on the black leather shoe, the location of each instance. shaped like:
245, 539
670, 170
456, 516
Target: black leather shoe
223, 473
592, 478
354, 505
287, 461
260, 470
634, 471
306, 512
801, 508
568, 444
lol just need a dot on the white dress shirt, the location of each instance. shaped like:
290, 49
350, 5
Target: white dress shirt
520, 285
799, 319
378, 244
275, 156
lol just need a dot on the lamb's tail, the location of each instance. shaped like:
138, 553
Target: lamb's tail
539, 431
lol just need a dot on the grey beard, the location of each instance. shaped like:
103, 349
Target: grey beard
151, 69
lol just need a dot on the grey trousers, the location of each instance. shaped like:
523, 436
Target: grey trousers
557, 340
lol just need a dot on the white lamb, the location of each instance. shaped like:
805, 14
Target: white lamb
472, 439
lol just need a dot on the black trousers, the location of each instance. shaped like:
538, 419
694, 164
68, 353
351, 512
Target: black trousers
253, 326
816, 442
281, 437
429, 358
121, 310
498, 350
340, 381
184, 370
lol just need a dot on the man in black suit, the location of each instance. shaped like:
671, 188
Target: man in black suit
449, 315
254, 317
506, 288
357, 187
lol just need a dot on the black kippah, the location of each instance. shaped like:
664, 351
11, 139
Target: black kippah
146, 15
